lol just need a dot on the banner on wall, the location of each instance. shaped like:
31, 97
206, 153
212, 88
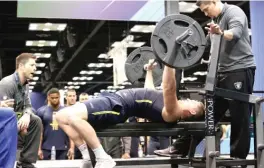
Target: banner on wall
119, 59
142, 10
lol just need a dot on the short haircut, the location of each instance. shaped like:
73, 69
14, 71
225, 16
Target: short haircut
200, 2
23, 58
53, 90
70, 90
84, 94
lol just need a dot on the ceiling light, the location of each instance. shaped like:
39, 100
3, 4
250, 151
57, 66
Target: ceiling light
75, 83
89, 78
48, 24
92, 65
41, 43
33, 26
98, 72
190, 79
76, 87
100, 65
75, 78
32, 83
136, 28
200, 73
143, 28
61, 27
53, 43
42, 55
31, 87
111, 90
126, 83
82, 83
29, 43
35, 78
121, 87
70, 83
83, 72
108, 65
96, 93
103, 56
41, 64
46, 29
83, 78
38, 72
46, 55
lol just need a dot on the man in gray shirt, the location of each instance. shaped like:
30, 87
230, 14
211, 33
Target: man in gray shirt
236, 72
29, 125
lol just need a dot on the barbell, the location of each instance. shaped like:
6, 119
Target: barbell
178, 41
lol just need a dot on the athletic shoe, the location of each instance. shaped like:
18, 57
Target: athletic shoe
86, 164
105, 163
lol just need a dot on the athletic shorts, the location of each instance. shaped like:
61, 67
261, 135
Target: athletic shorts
105, 110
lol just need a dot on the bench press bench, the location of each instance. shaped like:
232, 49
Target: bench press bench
207, 127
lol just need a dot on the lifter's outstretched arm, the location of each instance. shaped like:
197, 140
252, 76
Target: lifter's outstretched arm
169, 94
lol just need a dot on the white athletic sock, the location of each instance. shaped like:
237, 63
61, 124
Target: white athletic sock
84, 150
100, 153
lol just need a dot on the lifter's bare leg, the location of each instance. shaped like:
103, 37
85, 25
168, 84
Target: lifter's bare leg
73, 120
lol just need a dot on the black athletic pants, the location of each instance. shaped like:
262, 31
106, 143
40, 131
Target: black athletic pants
241, 80
29, 143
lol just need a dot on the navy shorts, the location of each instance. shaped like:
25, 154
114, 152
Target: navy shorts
105, 110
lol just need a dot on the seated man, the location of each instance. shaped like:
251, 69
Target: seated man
113, 108
15, 86
8, 134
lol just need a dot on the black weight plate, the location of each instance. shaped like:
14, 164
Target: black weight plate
134, 66
186, 50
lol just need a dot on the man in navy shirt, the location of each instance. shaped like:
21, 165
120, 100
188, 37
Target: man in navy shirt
53, 135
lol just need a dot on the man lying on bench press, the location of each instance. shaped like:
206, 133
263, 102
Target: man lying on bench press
113, 108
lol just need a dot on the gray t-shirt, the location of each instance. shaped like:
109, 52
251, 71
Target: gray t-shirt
11, 88
237, 53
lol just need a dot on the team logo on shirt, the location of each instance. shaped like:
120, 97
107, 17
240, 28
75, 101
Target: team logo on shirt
54, 124
238, 85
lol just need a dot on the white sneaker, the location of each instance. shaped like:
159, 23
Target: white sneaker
105, 163
86, 164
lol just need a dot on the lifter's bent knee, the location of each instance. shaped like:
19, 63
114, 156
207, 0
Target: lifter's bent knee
65, 116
